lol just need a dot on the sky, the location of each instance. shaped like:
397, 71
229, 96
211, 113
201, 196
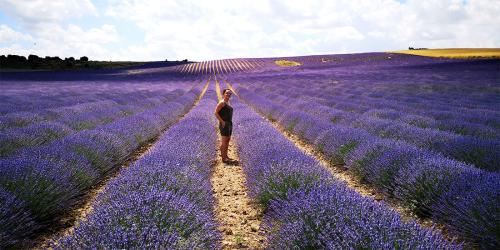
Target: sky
152, 30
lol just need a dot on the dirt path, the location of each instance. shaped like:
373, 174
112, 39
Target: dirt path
84, 207
239, 217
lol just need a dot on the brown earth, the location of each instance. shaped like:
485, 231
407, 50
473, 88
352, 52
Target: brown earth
238, 215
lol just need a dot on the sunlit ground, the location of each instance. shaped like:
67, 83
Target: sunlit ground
286, 63
455, 53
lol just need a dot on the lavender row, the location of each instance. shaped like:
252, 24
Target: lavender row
426, 114
480, 122
451, 82
453, 125
483, 153
46, 181
164, 200
477, 122
35, 96
436, 96
409, 94
458, 195
71, 120
306, 208
72, 114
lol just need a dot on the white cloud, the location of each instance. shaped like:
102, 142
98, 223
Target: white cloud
15, 49
203, 30
8, 35
32, 12
218, 29
46, 26
65, 41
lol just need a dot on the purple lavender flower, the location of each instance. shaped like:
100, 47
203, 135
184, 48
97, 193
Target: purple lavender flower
152, 219
338, 141
424, 180
306, 208
16, 221
164, 200
335, 217
44, 186
469, 206
274, 165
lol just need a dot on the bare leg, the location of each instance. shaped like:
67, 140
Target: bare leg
223, 147
227, 147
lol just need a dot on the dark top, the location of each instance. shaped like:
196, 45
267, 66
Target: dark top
226, 113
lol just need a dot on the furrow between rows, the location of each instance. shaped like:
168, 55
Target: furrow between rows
238, 215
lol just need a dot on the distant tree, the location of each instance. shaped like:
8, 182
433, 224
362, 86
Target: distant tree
3, 61
34, 61
53, 58
16, 58
166, 60
69, 63
410, 48
33, 58
84, 59
185, 60
14, 61
69, 59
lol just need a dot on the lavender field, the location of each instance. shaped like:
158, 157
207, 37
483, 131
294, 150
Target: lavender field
136, 147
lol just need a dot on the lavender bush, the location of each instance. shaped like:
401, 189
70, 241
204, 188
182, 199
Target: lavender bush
305, 207
164, 200
470, 207
15, 221
482, 152
49, 179
424, 131
378, 161
419, 177
335, 217
75, 118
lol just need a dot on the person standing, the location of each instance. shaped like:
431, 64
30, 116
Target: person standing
224, 113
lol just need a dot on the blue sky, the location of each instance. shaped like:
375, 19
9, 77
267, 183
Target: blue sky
203, 30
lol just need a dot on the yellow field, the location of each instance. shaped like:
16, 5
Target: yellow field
455, 53
286, 63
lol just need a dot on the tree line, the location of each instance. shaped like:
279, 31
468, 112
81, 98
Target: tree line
34, 62
48, 62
